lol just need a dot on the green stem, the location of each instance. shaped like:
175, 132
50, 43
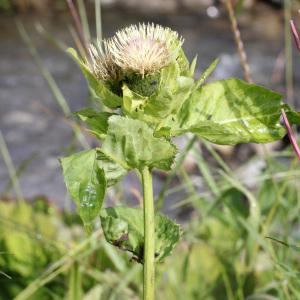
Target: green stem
149, 249
75, 282
11, 169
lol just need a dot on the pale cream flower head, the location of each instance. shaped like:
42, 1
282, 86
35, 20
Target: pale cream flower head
144, 49
101, 63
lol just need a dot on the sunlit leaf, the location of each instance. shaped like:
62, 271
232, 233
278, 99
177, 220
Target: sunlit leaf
230, 112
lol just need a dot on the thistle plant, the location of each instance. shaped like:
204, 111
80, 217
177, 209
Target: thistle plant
143, 78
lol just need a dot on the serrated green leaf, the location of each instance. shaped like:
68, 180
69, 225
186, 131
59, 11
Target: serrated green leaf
131, 144
98, 88
229, 112
97, 121
85, 183
124, 227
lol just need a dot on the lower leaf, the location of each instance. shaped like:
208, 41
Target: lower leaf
123, 227
85, 182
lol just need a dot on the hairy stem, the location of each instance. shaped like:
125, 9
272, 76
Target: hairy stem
149, 248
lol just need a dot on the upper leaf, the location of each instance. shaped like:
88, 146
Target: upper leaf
85, 182
131, 144
97, 121
229, 112
167, 99
98, 88
172, 90
124, 227
171, 94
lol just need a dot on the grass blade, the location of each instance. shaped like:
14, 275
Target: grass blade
160, 199
58, 96
98, 19
58, 267
206, 173
84, 20
10, 168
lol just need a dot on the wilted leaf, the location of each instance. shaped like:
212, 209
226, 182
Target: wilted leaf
124, 227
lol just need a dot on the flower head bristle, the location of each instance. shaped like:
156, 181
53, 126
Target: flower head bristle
101, 63
138, 49
144, 49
